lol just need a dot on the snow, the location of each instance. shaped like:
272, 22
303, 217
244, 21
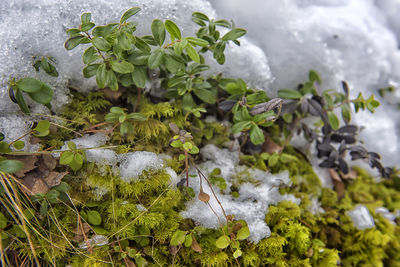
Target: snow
134, 163
386, 214
356, 41
13, 127
100, 156
361, 217
259, 190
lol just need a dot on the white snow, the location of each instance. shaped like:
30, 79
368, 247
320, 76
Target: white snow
361, 217
13, 127
100, 156
254, 197
343, 40
386, 214
134, 163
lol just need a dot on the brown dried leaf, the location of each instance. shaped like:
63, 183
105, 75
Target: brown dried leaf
29, 164
47, 163
270, 147
34, 140
339, 188
79, 234
174, 128
334, 175
54, 178
113, 95
40, 183
129, 263
195, 246
237, 227
204, 196
351, 175
174, 250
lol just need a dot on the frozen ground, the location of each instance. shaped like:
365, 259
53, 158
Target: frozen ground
353, 40
253, 200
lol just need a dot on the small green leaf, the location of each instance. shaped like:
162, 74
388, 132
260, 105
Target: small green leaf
101, 43
223, 23
192, 53
240, 126
124, 40
273, 160
90, 70
139, 76
237, 253
93, 217
19, 145
86, 17
173, 30
188, 102
333, 120
187, 146
178, 238
71, 145
181, 157
136, 116
10, 165
21, 102
289, 94
313, 76
234, 34
44, 95
112, 81
62, 187
197, 41
74, 41
122, 66
200, 16
256, 135
288, 117
87, 26
155, 58
4, 147
176, 143
88, 55
243, 233
129, 13
78, 158
29, 85
101, 76
158, 30
188, 241
66, 157
42, 126
223, 242
142, 45
346, 113
208, 96
194, 150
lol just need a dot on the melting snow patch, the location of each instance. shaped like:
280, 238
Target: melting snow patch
253, 201
134, 163
386, 214
361, 217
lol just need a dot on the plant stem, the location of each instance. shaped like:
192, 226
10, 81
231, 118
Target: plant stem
98, 51
186, 168
19, 138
